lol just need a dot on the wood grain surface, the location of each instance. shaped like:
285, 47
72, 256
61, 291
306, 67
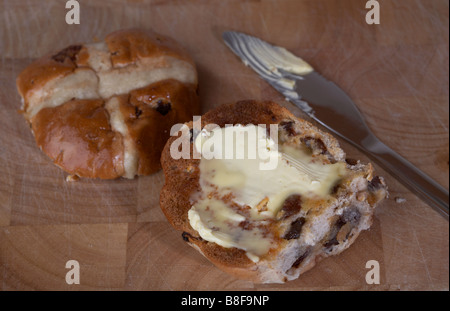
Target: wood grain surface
396, 72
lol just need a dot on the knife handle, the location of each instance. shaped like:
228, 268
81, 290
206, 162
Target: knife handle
414, 179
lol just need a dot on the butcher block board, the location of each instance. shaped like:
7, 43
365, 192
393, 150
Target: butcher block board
396, 72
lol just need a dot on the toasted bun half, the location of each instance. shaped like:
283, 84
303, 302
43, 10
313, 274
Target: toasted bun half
302, 230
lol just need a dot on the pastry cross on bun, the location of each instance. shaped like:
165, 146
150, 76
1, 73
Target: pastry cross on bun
105, 109
272, 225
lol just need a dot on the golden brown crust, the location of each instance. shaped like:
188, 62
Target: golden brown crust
128, 46
79, 138
147, 112
150, 113
45, 69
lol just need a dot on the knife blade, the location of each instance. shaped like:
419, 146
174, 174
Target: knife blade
330, 106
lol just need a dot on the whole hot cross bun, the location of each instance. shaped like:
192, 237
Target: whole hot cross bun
105, 109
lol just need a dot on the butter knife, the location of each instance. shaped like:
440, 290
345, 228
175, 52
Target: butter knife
331, 107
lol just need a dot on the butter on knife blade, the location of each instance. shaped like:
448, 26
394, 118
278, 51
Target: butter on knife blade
273, 63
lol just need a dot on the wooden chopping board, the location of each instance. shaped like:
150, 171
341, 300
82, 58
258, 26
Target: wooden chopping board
396, 72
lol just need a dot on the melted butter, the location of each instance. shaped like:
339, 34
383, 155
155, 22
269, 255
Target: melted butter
216, 222
276, 57
263, 190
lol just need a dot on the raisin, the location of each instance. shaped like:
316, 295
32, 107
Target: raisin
332, 237
137, 112
315, 144
163, 108
288, 126
351, 161
291, 206
301, 258
331, 242
69, 52
352, 216
295, 229
187, 237
375, 184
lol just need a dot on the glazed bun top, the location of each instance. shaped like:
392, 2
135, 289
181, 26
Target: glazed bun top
105, 109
